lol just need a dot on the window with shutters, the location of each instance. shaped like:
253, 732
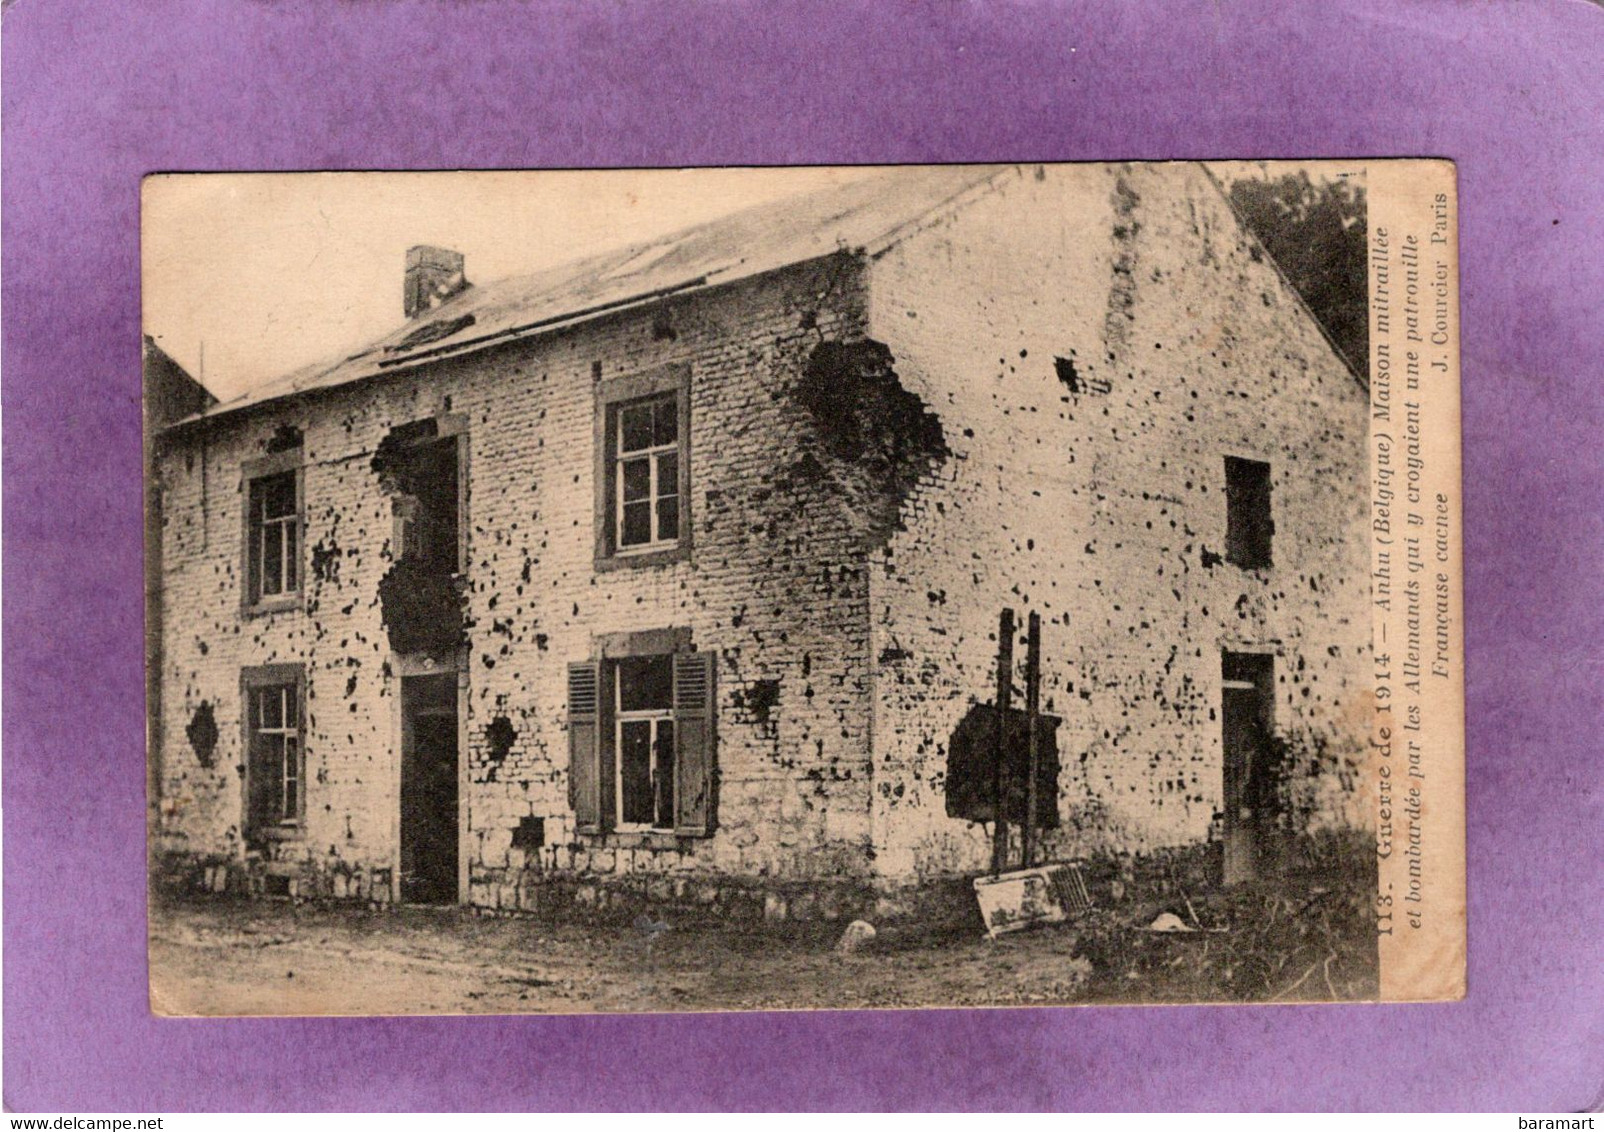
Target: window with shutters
642, 468
275, 764
641, 741
272, 502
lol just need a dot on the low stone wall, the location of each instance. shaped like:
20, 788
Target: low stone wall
941, 902
536, 892
256, 877
738, 900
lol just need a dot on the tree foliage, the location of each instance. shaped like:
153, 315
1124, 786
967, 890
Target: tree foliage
1316, 233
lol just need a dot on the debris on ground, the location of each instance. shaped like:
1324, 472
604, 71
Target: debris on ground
1300, 938
1169, 922
1292, 940
858, 934
649, 930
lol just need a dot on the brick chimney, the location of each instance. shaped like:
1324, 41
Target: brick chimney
433, 276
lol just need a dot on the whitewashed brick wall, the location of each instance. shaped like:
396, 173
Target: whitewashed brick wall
773, 587
1103, 511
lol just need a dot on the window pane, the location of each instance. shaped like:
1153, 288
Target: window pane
668, 474
278, 496
272, 559
292, 779
664, 774
666, 421
635, 772
271, 772
634, 427
270, 708
645, 683
290, 557
637, 524
668, 519
291, 705
637, 479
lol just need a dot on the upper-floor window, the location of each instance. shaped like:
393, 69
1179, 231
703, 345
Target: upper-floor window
275, 527
273, 571
1249, 526
642, 473
646, 473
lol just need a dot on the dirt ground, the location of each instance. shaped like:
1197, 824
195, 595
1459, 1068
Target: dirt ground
1294, 942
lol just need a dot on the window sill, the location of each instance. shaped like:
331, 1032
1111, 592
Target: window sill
289, 604
638, 839
280, 833
629, 560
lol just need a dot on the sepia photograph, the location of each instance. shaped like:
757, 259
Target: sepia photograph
781, 588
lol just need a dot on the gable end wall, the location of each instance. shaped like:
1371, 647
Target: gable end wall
1104, 510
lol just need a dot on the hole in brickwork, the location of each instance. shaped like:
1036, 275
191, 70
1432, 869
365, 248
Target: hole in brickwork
285, 438
972, 767
202, 734
499, 738
529, 834
276, 886
422, 597
760, 698
1068, 374
879, 437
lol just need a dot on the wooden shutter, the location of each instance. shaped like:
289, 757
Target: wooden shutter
584, 747
694, 716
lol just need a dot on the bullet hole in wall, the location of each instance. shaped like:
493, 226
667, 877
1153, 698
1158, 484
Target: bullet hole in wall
761, 698
499, 738
1068, 374
326, 561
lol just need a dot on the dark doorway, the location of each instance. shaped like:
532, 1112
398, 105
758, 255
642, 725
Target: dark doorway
429, 789
1248, 714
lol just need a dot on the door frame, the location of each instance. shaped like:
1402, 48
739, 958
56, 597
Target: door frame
410, 666
1232, 822
453, 426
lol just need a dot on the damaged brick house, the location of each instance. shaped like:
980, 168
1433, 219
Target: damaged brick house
676, 572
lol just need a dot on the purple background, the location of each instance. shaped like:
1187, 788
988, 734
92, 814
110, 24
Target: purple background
95, 95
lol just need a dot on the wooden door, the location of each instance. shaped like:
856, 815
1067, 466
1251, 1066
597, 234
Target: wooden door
1247, 712
429, 789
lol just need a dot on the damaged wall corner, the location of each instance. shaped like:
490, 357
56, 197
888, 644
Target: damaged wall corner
881, 439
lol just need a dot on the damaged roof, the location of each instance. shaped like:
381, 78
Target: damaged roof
866, 215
